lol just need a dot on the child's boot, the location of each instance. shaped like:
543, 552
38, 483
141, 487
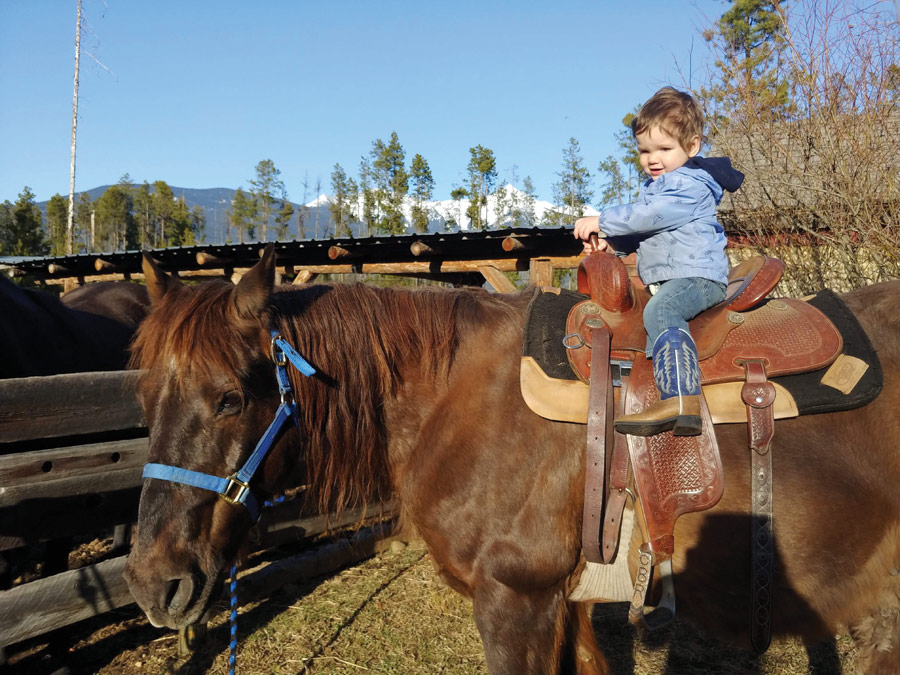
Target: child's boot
676, 369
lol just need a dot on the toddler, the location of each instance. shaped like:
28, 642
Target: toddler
680, 248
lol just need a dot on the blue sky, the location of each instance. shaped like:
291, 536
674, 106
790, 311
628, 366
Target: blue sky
197, 93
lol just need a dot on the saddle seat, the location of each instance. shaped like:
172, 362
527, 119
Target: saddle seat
790, 335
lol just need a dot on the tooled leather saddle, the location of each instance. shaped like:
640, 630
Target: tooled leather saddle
745, 339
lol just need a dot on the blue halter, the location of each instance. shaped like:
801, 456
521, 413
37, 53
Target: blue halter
236, 488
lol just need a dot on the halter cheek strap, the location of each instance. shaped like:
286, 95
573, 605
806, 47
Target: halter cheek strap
235, 489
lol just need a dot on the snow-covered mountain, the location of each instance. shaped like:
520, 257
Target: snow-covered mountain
447, 213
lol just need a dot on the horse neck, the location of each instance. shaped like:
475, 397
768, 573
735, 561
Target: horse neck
383, 357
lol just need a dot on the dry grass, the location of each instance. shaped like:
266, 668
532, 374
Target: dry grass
391, 614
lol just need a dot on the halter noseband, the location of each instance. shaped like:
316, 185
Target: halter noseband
235, 489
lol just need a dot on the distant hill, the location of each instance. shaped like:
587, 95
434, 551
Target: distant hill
216, 203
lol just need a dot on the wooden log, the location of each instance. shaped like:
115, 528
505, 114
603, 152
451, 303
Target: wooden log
91, 515
61, 600
303, 277
497, 279
541, 272
27, 469
206, 258
54, 268
278, 525
102, 265
77, 403
337, 252
263, 581
182, 274
48, 604
419, 247
511, 243
435, 267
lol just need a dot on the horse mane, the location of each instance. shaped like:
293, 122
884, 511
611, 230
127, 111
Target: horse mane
365, 343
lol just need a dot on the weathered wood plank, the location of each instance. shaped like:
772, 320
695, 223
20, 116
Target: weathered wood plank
541, 271
497, 279
64, 599
24, 469
67, 405
61, 600
93, 483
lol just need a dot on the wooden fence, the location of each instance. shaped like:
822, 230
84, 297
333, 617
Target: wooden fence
72, 449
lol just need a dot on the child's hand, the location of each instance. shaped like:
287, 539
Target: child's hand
587, 229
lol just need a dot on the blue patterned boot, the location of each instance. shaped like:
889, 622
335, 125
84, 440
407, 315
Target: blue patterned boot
676, 368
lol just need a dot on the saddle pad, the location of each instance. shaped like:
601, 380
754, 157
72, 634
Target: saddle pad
808, 389
544, 326
553, 391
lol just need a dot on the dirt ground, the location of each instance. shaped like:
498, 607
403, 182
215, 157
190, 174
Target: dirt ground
389, 614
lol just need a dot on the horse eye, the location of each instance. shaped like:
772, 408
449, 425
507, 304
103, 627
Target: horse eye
231, 404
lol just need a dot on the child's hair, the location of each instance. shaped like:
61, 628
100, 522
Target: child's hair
675, 112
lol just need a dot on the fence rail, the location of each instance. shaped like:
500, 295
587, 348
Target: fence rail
72, 449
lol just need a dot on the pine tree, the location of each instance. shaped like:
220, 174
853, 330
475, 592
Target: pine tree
515, 204
391, 182
163, 208
267, 187
113, 219
573, 190
423, 189
623, 174
57, 223
242, 215
303, 211
501, 207
283, 218
753, 32
144, 215
24, 231
84, 221
342, 208
529, 217
482, 170
369, 197
6, 226
456, 217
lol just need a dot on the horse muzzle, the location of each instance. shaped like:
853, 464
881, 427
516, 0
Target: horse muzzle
169, 599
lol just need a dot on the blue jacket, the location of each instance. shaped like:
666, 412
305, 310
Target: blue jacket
672, 225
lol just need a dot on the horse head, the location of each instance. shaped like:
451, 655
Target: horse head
208, 391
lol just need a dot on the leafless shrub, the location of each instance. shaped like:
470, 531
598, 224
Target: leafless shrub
809, 112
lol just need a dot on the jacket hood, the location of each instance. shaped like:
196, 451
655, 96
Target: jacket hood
720, 169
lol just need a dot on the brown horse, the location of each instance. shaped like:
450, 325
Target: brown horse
87, 329
417, 394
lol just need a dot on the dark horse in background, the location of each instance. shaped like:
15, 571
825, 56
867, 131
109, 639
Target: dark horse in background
87, 329
417, 394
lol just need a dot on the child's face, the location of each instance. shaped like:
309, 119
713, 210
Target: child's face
660, 153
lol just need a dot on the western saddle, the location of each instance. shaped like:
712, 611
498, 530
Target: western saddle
743, 339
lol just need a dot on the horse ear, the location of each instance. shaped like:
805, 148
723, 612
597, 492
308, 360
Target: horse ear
158, 282
251, 297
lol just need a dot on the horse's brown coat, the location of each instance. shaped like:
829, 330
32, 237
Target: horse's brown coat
413, 398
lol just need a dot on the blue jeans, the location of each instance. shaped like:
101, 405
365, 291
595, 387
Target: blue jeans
676, 302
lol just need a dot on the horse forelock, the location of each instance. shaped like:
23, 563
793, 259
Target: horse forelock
192, 331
